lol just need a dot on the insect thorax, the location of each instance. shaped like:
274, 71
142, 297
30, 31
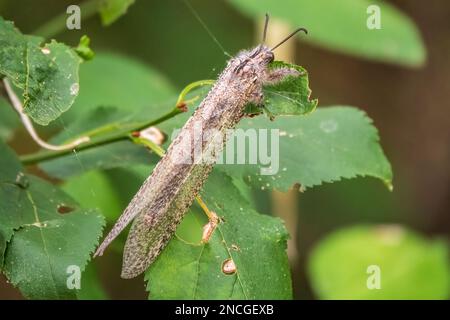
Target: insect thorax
252, 62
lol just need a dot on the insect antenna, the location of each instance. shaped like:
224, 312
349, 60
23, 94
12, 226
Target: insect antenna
266, 23
203, 24
289, 36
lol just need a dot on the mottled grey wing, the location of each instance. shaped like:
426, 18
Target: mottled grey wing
154, 227
136, 205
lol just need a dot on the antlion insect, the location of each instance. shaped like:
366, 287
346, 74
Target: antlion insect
169, 191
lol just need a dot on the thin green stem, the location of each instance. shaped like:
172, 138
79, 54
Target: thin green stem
102, 140
175, 111
57, 24
39, 156
191, 86
158, 150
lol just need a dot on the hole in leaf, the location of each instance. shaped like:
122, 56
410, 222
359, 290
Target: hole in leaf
62, 208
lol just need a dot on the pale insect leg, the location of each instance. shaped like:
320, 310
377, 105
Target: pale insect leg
213, 219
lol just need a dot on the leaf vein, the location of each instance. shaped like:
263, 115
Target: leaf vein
36, 216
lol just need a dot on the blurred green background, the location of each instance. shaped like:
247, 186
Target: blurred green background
402, 82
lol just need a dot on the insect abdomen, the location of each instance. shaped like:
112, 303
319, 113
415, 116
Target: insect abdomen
178, 184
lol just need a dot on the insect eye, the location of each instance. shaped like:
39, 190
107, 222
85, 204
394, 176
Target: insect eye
270, 58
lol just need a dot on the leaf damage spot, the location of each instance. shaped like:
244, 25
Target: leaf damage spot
229, 267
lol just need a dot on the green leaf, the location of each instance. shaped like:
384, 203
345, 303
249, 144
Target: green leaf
255, 242
83, 49
118, 154
325, 146
122, 82
410, 267
137, 92
288, 97
110, 190
42, 232
46, 73
9, 120
111, 10
342, 26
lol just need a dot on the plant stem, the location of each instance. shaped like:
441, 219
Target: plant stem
191, 86
57, 24
159, 151
39, 156
107, 139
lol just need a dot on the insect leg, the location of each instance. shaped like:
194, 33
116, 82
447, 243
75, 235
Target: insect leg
209, 228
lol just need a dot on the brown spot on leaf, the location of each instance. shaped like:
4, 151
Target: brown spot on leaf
135, 134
